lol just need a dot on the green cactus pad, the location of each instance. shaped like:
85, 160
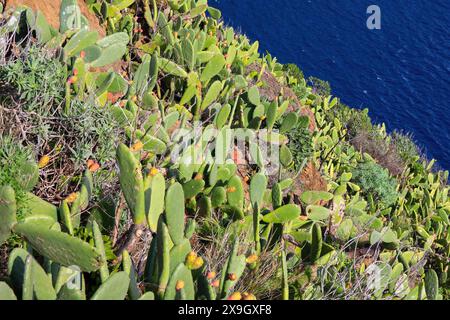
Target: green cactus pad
212, 68
141, 77
28, 280
171, 68
253, 96
100, 246
212, 94
317, 213
235, 192
283, 214
189, 231
205, 290
236, 266
29, 175
175, 212
286, 158
60, 247
314, 197
42, 288
218, 196
431, 284
271, 115
80, 41
115, 288
133, 290
316, 243
148, 296
131, 181
222, 116
71, 294
289, 122
258, 187
70, 16
8, 208
192, 188
204, 207
109, 55
178, 254
155, 190
188, 53
277, 196
6, 293
181, 273
163, 256
119, 38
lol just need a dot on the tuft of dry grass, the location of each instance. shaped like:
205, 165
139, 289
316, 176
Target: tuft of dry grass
383, 152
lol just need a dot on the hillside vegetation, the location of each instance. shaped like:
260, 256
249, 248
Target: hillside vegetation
166, 158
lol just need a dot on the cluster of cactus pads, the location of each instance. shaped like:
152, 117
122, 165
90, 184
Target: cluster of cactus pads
185, 66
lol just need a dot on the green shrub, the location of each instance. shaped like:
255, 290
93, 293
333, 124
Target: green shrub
376, 182
96, 131
320, 87
294, 71
13, 156
354, 120
405, 146
36, 78
300, 143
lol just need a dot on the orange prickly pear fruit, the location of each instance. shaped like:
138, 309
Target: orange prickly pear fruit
137, 146
72, 197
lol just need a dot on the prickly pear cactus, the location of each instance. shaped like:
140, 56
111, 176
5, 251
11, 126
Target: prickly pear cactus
115, 288
8, 209
70, 16
132, 183
60, 247
6, 293
155, 190
181, 273
175, 212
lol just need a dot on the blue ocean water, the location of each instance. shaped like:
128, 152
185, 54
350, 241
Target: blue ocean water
401, 72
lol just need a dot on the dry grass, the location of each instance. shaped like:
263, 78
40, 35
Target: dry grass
383, 152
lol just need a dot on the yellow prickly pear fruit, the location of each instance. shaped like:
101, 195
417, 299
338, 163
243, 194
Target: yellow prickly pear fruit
248, 296
137, 146
252, 259
154, 171
179, 285
235, 296
198, 263
231, 189
43, 162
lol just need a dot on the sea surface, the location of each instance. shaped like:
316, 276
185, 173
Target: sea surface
401, 72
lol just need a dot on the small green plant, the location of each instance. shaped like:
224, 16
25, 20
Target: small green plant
356, 121
377, 182
294, 71
14, 161
320, 87
300, 143
405, 146
36, 77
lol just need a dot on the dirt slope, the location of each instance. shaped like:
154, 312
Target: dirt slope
51, 11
